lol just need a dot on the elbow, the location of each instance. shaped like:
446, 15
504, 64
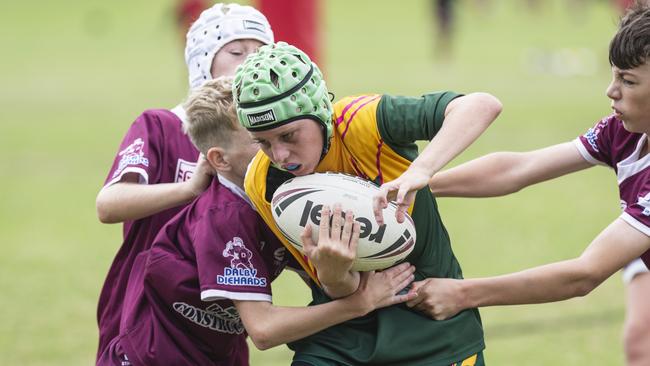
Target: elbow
584, 287
587, 279
489, 105
262, 339
104, 213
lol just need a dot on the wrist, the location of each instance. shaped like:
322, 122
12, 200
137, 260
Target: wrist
358, 305
341, 286
423, 167
189, 191
466, 299
335, 279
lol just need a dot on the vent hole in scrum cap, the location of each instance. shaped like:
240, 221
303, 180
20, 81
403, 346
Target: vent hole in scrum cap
294, 74
238, 91
255, 76
256, 91
300, 58
274, 78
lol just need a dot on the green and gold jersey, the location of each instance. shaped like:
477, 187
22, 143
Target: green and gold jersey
374, 138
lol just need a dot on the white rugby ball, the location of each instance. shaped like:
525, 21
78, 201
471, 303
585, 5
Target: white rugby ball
298, 202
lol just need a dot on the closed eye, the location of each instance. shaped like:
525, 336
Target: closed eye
262, 143
287, 137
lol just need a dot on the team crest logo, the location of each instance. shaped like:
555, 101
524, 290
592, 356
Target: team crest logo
241, 271
213, 317
132, 155
592, 134
241, 256
184, 170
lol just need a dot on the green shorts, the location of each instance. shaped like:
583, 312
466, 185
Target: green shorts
309, 360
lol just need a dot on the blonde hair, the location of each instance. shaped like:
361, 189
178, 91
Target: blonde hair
211, 116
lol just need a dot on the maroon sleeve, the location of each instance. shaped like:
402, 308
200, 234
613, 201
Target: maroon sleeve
596, 144
140, 151
228, 249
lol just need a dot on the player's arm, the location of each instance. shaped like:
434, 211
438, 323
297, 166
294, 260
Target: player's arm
269, 325
129, 200
503, 173
612, 249
465, 119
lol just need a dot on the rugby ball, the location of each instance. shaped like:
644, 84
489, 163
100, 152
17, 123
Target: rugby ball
298, 203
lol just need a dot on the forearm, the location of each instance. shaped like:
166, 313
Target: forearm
548, 283
488, 176
464, 122
131, 201
503, 173
270, 326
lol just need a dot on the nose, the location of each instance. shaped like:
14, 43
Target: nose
280, 153
612, 91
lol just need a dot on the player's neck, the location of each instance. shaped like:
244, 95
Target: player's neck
234, 178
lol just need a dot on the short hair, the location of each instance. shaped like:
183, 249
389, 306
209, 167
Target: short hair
211, 116
630, 47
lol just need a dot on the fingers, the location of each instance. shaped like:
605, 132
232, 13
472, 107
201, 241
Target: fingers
418, 284
415, 301
337, 222
398, 299
307, 242
395, 270
324, 228
379, 202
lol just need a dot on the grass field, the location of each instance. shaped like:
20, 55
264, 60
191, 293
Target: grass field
76, 73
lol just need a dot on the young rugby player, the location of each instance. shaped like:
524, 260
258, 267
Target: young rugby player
619, 141
206, 281
282, 100
156, 171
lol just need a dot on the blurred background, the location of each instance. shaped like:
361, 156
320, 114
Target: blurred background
75, 74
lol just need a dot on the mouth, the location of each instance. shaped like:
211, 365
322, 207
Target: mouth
617, 112
291, 167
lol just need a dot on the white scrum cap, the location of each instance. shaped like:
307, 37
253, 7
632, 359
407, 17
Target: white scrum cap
216, 26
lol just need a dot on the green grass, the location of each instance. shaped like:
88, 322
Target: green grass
75, 74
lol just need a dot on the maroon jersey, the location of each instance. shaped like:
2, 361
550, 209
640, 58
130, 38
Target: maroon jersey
156, 149
178, 308
609, 143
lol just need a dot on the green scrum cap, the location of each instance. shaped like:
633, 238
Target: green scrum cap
279, 84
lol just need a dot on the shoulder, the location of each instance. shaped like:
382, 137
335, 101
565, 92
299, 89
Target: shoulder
356, 115
163, 117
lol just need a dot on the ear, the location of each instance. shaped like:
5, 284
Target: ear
217, 158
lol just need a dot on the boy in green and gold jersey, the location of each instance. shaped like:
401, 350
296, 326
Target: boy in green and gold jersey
282, 100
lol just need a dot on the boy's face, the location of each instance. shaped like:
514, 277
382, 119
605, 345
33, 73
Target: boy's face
630, 95
241, 151
295, 147
231, 55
